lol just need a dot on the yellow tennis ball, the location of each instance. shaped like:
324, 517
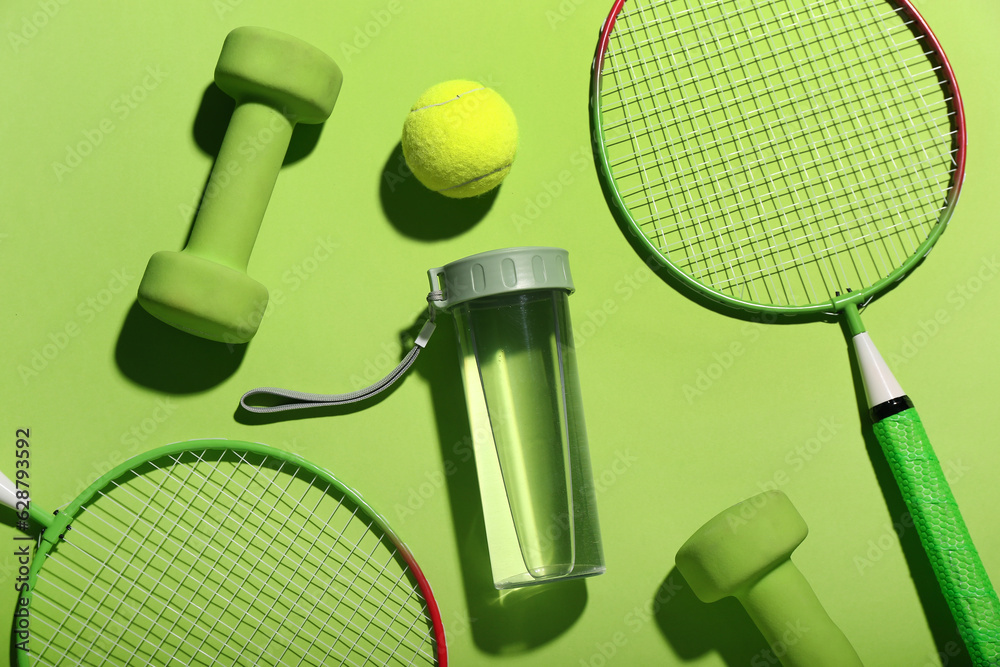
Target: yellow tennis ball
460, 138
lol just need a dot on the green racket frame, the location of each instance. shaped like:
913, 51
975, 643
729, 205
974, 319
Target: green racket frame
57, 525
917, 471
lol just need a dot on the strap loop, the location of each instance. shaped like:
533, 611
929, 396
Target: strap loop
298, 400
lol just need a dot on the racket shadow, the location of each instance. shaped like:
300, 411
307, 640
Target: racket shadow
939, 619
501, 622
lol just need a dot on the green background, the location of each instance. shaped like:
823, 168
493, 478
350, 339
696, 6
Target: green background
688, 411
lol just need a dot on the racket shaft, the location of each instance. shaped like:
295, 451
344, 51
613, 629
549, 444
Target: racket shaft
945, 538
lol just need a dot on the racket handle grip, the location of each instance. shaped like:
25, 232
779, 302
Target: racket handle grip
945, 538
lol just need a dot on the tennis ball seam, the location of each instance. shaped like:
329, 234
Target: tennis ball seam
461, 151
477, 178
448, 101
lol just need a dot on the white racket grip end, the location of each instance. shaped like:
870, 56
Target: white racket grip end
8, 492
880, 384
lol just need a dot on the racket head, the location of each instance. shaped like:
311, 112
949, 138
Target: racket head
787, 156
214, 552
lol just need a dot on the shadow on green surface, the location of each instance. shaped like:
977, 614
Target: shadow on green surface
212, 120
939, 620
158, 356
695, 628
420, 214
502, 623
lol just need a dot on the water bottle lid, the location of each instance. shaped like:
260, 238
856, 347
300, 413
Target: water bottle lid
499, 272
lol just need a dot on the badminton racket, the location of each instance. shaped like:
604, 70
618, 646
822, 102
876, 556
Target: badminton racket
218, 552
797, 157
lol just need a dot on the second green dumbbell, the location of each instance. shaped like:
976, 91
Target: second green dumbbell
746, 552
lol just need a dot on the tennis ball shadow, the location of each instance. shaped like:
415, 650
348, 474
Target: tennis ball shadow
421, 214
501, 622
939, 619
158, 356
694, 628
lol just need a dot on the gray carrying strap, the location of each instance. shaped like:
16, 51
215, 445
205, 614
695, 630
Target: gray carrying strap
299, 400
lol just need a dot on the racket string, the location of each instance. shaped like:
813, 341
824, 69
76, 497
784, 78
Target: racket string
654, 63
712, 240
103, 566
149, 590
408, 599
656, 150
786, 23
214, 565
884, 232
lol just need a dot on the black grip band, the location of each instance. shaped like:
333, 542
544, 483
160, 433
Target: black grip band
891, 407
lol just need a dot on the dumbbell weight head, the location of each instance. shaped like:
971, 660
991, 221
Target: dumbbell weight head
277, 81
283, 71
740, 545
745, 552
202, 297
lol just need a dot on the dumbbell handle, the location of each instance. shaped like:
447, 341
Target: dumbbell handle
786, 610
240, 185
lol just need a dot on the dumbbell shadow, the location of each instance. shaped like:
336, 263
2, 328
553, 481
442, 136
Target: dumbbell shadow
695, 629
212, 120
156, 355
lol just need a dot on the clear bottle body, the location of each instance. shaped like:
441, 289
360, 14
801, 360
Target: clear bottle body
529, 437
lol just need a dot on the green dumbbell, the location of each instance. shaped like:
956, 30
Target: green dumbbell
277, 81
745, 552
